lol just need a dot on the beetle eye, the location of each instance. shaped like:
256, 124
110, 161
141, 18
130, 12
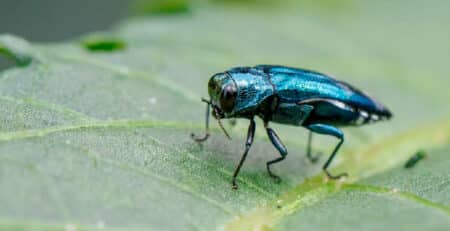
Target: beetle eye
228, 98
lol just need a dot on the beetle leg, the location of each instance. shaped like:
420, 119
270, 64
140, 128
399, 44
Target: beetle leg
312, 159
248, 144
205, 137
332, 131
279, 146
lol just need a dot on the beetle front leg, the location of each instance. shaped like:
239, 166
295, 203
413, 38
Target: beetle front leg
205, 137
279, 146
332, 131
248, 144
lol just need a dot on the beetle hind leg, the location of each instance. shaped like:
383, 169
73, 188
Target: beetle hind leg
311, 158
332, 131
281, 149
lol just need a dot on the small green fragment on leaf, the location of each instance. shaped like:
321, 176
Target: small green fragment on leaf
16, 49
421, 154
146, 7
103, 44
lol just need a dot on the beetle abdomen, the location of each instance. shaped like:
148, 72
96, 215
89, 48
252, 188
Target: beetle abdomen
369, 109
365, 117
335, 112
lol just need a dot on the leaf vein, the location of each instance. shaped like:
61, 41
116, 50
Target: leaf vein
402, 194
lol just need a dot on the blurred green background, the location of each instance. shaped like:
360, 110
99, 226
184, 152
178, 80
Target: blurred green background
53, 20
50, 20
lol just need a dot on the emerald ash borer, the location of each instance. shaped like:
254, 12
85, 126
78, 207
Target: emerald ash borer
289, 96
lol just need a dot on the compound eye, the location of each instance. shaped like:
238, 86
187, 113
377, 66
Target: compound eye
228, 98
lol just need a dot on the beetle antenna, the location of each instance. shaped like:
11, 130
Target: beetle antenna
220, 124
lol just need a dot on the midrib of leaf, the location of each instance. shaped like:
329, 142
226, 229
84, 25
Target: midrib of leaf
318, 188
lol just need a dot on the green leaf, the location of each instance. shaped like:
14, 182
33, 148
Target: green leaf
95, 132
413, 199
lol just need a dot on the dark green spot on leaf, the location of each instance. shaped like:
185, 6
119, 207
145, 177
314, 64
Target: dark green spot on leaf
415, 159
104, 45
148, 7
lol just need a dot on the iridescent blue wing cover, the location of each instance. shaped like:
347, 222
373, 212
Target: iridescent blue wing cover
299, 85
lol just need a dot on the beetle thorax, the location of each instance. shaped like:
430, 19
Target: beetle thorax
252, 89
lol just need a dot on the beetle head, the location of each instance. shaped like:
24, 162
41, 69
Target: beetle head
223, 92
238, 92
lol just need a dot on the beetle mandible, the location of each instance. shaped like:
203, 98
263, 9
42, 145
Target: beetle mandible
290, 96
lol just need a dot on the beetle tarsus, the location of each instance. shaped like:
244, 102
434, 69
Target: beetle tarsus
276, 178
335, 177
234, 186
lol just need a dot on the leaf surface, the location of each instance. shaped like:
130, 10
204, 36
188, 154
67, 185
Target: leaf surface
100, 138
